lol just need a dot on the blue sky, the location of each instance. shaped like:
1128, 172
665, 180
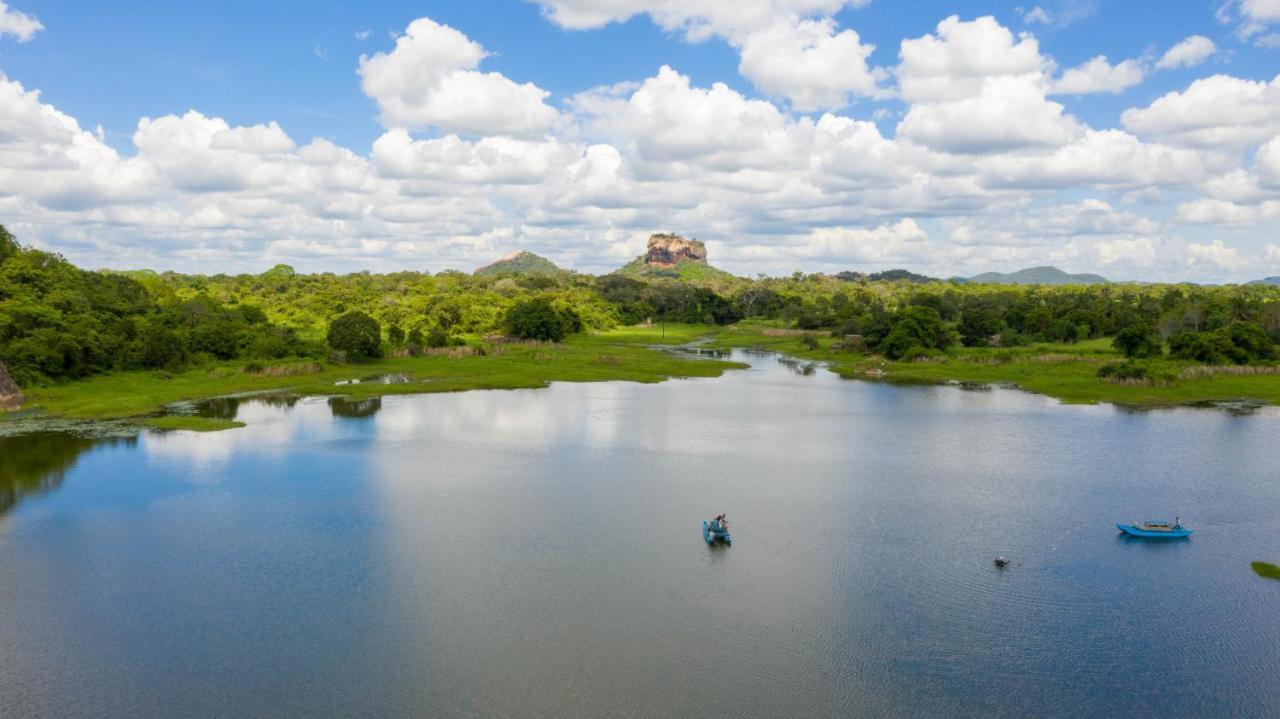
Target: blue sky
418, 183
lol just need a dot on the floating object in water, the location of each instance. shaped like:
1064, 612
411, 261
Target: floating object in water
1001, 561
716, 530
1156, 530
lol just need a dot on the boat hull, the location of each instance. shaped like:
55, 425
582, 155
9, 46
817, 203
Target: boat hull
1136, 531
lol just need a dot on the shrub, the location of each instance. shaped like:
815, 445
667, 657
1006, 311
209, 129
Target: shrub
539, 319
1138, 341
356, 334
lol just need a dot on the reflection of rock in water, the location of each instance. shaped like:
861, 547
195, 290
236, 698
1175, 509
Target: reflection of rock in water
32, 464
228, 407
355, 408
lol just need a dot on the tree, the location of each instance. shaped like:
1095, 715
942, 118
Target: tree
914, 327
978, 325
1138, 341
357, 334
538, 319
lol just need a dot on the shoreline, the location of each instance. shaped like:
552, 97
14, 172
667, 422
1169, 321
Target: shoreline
636, 354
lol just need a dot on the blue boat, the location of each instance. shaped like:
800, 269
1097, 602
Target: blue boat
1156, 530
716, 531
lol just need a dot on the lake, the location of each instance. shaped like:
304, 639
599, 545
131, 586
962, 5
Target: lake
539, 553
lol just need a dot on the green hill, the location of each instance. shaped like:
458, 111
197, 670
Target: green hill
1037, 276
687, 270
519, 263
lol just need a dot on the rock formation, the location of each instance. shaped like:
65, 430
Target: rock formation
10, 393
665, 250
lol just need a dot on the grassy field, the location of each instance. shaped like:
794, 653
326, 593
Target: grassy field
622, 354
1067, 372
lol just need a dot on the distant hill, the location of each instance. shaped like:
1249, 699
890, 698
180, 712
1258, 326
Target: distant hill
1037, 276
886, 276
1266, 281
519, 263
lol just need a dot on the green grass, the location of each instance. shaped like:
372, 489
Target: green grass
191, 423
621, 354
1067, 372
1266, 569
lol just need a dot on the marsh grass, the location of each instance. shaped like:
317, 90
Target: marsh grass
1266, 569
517, 366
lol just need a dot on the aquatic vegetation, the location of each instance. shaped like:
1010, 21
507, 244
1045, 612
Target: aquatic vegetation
1266, 569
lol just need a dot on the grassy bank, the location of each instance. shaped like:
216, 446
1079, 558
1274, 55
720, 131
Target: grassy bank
622, 354
1067, 372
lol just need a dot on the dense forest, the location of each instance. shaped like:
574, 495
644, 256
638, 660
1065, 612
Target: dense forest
60, 322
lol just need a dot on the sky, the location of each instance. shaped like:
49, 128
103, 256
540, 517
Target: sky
1137, 140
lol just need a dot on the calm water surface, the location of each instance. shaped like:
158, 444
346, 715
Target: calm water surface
538, 553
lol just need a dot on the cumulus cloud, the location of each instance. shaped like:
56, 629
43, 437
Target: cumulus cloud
974, 88
17, 24
810, 63
1219, 111
1188, 53
429, 80
984, 170
1099, 75
790, 49
1215, 255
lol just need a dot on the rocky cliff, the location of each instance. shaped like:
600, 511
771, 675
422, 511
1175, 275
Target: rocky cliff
10, 394
666, 251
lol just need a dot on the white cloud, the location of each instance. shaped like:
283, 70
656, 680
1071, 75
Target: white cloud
1207, 211
974, 88
1252, 19
1266, 162
1099, 75
790, 49
1188, 53
1100, 158
810, 63
1215, 255
1035, 16
698, 19
984, 171
1218, 111
429, 80
17, 24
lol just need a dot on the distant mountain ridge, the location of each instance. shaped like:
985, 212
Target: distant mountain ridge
1037, 276
1266, 281
522, 262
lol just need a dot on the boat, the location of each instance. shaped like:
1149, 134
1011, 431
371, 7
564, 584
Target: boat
1156, 530
716, 531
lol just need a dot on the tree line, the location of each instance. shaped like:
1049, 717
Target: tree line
60, 322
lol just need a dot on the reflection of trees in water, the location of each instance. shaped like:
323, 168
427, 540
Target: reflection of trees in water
804, 369
32, 464
228, 407
355, 408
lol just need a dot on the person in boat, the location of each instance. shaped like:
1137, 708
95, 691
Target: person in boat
719, 522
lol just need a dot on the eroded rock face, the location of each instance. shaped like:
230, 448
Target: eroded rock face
10, 393
666, 250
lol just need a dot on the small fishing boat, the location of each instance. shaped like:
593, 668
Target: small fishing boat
1156, 530
716, 530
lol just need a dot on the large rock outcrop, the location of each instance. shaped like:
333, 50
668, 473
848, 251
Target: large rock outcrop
666, 250
10, 393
